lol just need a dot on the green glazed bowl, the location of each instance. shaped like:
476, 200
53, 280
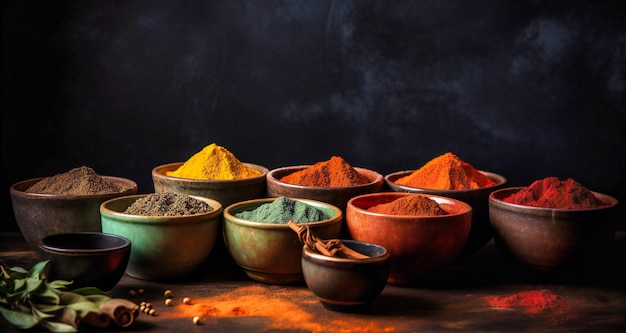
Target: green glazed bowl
271, 252
162, 247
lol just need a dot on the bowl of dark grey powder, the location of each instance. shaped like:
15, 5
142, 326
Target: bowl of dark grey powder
171, 234
66, 202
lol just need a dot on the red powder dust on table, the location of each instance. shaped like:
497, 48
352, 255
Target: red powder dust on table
284, 307
536, 302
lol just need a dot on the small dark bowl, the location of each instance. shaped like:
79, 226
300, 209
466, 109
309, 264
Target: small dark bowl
480, 232
551, 239
343, 284
336, 196
39, 215
89, 259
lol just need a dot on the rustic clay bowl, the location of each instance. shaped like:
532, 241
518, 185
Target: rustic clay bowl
336, 196
551, 239
89, 259
418, 245
163, 247
345, 284
226, 192
480, 232
271, 252
40, 215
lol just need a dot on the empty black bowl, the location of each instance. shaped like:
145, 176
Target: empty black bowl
89, 259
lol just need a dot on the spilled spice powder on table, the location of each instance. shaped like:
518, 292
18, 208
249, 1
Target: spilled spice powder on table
285, 308
536, 302
446, 172
214, 162
335, 172
412, 205
551, 192
78, 181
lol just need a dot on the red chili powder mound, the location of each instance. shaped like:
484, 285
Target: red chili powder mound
412, 205
446, 172
551, 192
335, 172
285, 307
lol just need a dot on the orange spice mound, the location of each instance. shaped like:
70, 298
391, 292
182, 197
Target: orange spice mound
335, 172
446, 172
284, 307
412, 205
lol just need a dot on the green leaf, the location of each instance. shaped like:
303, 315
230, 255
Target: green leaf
98, 300
32, 284
90, 291
59, 327
38, 313
59, 284
20, 319
37, 270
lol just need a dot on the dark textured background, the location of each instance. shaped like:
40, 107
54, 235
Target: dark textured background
527, 89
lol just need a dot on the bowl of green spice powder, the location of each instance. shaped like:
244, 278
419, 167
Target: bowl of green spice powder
260, 241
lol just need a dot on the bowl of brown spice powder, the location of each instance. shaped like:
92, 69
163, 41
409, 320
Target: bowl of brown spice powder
66, 202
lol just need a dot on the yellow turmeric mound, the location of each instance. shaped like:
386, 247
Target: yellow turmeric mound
214, 163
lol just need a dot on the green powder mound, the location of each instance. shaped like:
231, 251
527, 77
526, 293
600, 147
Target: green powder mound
283, 210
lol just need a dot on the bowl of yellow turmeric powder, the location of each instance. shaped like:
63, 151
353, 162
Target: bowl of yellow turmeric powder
449, 176
214, 172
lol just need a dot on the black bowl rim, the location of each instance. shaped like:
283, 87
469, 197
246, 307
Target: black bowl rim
307, 252
228, 217
130, 218
270, 178
77, 252
15, 192
495, 202
156, 173
500, 181
435, 197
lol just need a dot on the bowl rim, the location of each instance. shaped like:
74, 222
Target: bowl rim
157, 172
438, 198
229, 217
499, 179
495, 201
379, 179
42, 244
307, 252
15, 191
130, 218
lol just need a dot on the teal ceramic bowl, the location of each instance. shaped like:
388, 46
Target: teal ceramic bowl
163, 247
271, 252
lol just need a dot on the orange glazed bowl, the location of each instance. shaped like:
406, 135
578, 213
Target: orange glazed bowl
480, 232
418, 245
336, 196
548, 238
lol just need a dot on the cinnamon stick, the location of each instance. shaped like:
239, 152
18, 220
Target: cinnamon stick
331, 248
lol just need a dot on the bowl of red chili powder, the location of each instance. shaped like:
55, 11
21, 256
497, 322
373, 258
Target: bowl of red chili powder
422, 232
334, 181
552, 223
65, 202
449, 176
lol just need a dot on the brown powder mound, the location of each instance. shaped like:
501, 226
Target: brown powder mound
412, 205
335, 172
446, 172
285, 307
78, 181
168, 204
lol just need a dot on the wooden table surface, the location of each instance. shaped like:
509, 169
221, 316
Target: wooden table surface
455, 299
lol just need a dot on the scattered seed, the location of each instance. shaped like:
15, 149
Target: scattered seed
140, 291
186, 300
168, 301
143, 304
131, 292
196, 320
149, 305
168, 293
152, 312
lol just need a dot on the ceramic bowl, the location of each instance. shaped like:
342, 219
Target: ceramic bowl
40, 215
336, 196
346, 284
271, 252
88, 259
163, 247
480, 232
550, 239
226, 192
418, 245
